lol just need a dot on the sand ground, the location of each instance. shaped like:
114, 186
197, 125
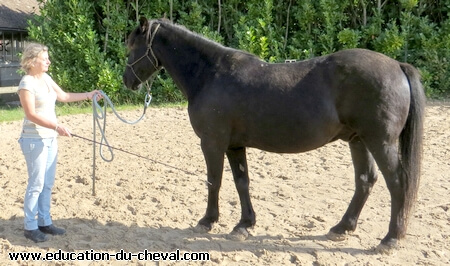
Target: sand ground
152, 204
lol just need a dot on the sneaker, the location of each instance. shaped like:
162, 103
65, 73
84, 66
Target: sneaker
36, 235
52, 230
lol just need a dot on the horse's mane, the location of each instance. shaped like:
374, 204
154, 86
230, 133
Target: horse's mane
186, 31
210, 43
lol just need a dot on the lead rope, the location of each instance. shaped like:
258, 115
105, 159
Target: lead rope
99, 113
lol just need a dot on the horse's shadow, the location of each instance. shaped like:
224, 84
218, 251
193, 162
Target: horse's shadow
84, 234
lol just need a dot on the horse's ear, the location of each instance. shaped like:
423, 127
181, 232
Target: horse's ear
143, 24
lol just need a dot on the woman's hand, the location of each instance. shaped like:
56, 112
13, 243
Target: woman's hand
63, 131
90, 95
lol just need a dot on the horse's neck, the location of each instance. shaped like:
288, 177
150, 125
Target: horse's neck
186, 57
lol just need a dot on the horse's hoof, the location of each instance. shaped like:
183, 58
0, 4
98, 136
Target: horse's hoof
200, 228
238, 234
387, 248
336, 237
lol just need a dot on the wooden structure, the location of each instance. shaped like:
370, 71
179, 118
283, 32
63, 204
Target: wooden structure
13, 23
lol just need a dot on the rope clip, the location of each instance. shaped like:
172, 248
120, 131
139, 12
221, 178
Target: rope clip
148, 99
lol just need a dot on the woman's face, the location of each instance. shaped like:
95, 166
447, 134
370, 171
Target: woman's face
41, 63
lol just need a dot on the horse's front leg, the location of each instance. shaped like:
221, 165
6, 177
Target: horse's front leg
214, 163
238, 163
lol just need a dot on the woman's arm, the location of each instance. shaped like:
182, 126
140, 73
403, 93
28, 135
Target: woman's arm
66, 97
27, 101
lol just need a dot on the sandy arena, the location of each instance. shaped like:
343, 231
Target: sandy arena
153, 204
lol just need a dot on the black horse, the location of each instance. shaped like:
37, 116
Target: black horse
236, 101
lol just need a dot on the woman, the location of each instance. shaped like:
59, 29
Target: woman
38, 94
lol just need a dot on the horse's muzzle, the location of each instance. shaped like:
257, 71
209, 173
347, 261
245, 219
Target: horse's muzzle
130, 83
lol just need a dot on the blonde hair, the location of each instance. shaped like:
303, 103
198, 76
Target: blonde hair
30, 53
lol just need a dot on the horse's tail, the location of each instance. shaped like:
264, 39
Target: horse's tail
410, 142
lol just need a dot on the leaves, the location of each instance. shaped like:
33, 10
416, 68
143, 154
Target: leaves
87, 38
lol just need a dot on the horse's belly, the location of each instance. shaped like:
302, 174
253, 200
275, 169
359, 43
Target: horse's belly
292, 140
277, 148
286, 147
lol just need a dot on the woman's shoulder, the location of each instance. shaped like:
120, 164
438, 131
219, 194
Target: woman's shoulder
26, 83
27, 78
47, 77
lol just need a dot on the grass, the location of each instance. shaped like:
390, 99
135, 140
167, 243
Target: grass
14, 113
9, 113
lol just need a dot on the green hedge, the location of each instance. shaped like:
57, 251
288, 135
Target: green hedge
87, 38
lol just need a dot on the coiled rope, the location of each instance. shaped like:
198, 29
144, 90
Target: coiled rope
98, 114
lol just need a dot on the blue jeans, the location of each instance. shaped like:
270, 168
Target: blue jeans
41, 157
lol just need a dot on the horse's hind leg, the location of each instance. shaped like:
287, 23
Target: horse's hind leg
238, 163
388, 161
365, 178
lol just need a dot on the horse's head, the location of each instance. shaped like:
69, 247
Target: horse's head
142, 62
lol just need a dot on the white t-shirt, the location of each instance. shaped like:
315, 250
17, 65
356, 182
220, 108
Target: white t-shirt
45, 99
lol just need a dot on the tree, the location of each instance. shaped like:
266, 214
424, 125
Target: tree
87, 38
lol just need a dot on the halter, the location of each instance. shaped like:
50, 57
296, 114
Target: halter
149, 49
